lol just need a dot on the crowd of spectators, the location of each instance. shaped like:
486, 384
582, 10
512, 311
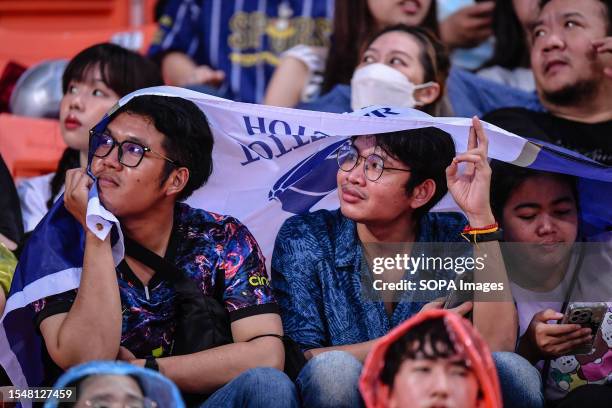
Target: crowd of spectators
306, 333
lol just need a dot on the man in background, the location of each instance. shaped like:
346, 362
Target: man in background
571, 59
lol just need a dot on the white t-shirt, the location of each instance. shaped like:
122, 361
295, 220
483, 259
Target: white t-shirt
34, 192
594, 283
315, 59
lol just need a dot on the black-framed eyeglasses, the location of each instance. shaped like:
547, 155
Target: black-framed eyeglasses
130, 153
348, 158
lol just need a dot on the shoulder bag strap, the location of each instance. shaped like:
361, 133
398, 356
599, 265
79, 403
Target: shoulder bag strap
168, 270
568, 295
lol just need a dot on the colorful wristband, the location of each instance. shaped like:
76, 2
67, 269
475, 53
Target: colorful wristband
475, 238
481, 230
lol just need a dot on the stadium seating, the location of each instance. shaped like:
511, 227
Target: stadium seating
29, 47
30, 147
68, 15
36, 30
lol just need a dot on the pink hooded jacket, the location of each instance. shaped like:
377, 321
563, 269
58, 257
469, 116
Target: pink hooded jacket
466, 340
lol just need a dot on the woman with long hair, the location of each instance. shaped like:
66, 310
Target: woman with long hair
401, 66
510, 64
305, 72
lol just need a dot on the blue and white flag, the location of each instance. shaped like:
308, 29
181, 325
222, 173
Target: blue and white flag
269, 164
51, 263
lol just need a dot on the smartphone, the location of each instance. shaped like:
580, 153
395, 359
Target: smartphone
586, 314
456, 297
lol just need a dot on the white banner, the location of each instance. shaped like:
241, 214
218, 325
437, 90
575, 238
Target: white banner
271, 163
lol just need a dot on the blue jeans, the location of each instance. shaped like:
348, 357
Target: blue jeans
330, 380
520, 381
257, 387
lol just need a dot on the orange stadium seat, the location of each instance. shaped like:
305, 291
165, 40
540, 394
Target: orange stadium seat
30, 147
36, 30
69, 15
28, 47
32, 31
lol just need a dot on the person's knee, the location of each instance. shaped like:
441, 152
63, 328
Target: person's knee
267, 387
520, 381
518, 366
330, 379
332, 365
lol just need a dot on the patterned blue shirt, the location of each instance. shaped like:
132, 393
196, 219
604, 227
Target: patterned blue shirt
316, 277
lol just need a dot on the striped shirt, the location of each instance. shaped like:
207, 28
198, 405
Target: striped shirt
243, 38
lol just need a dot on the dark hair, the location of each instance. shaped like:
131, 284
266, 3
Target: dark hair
511, 49
607, 17
506, 178
353, 25
122, 70
70, 160
433, 56
429, 340
188, 139
427, 151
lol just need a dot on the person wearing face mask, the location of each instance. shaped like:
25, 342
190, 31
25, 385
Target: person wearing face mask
401, 66
304, 73
394, 90
92, 83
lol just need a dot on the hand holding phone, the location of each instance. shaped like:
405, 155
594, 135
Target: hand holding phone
457, 297
549, 340
589, 315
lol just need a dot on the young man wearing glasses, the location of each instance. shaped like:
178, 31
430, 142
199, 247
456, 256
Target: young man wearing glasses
154, 153
387, 184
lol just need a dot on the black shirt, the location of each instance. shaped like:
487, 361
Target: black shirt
593, 140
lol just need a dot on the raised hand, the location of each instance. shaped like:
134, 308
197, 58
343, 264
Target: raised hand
603, 48
470, 189
468, 26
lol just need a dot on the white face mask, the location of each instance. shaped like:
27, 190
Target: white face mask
379, 84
